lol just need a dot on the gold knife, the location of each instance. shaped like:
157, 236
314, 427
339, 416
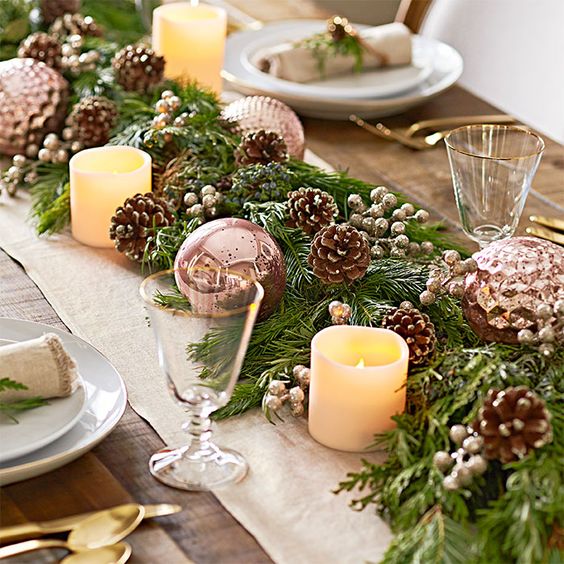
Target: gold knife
442, 123
551, 222
39, 528
547, 234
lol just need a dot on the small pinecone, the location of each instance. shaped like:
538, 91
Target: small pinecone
135, 222
224, 184
75, 24
417, 330
41, 47
138, 68
261, 147
311, 209
339, 253
53, 9
92, 120
513, 422
338, 28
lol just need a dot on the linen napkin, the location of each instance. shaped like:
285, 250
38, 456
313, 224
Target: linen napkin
42, 365
299, 64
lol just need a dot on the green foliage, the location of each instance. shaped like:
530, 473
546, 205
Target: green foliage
9, 409
50, 197
120, 21
14, 26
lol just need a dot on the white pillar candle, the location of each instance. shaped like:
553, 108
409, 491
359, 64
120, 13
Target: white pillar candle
191, 38
101, 179
358, 377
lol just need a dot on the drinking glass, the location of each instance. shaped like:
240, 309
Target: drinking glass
202, 334
492, 168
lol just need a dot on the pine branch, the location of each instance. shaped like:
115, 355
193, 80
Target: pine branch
10, 408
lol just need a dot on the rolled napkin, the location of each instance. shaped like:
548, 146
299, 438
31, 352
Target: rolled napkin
42, 365
388, 44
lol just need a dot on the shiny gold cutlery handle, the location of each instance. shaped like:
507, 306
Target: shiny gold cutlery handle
28, 546
547, 234
25, 530
441, 123
552, 222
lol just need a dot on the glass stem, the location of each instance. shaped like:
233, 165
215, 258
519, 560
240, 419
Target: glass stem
199, 429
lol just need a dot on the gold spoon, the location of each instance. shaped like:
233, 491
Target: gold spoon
115, 554
102, 529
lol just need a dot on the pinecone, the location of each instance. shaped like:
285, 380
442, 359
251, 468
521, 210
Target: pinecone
416, 328
513, 422
138, 67
75, 24
261, 147
41, 47
52, 9
311, 209
134, 224
339, 253
91, 120
338, 28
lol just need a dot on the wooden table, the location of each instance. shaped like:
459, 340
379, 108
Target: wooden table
116, 471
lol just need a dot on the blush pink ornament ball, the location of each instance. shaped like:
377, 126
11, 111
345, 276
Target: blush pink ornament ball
238, 245
514, 277
261, 112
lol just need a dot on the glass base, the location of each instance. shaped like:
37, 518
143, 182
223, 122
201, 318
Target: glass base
198, 471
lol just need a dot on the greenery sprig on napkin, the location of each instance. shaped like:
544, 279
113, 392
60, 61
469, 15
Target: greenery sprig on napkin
8, 408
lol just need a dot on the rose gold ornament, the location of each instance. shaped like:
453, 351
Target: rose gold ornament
235, 244
261, 112
33, 102
515, 276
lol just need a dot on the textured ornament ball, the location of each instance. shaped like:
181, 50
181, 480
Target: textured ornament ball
254, 113
33, 102
239, 245
514, 277
138, 68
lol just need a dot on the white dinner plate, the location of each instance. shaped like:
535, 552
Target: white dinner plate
373, 83
106, 399
38, 427
446, 69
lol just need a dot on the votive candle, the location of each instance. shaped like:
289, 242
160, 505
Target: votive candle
357, 383
191, 38
101, 179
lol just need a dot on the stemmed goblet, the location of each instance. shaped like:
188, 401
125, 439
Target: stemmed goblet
202, 319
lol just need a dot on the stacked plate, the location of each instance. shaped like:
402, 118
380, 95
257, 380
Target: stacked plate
435, 67
47, 437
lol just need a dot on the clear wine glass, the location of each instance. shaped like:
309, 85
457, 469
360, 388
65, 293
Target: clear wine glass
202, 319
492, 168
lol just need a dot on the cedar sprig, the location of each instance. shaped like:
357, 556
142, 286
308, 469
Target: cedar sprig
10, 408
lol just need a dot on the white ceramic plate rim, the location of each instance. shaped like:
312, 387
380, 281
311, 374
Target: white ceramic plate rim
42, 416
387, 81
47, 461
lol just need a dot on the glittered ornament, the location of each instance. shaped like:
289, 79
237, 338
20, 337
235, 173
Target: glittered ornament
254, 113
33, 102
239, 245
515, 276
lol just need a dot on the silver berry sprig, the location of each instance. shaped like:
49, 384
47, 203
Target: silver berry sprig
340, 313
203, 204
281, 392
447, 277
466, 462
73, 60
21, 172
383, 224
548, 331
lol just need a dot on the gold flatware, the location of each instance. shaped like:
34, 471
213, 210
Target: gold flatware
380, 130
442, 123
104, 528
551, 222
547, 234
40, 528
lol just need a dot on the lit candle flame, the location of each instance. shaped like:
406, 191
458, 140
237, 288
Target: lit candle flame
360, 363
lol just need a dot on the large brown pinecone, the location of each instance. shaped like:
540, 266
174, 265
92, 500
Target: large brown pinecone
513, 422
311, 209
75, 24
417, 330
41, 47
52, 9
92, 120
339, 253
134, 224
261, 147
138, 67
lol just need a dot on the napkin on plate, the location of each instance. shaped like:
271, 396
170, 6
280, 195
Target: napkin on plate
299, 64
42, 365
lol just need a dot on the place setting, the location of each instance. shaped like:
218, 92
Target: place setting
368, 354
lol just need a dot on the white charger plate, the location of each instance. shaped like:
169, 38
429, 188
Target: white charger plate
106, 399
38, 427
373, 83
447, 68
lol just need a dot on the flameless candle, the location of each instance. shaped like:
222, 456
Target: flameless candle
357, 385
191, 38
101, 179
